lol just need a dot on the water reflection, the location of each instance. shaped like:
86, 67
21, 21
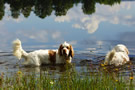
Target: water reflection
83, 64
47, 68
92, 27
44, 8
75, 26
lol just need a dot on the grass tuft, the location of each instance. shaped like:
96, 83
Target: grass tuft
68, 80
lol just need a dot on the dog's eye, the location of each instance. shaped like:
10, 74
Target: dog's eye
67, 47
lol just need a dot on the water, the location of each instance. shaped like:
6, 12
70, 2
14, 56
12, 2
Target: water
92, 29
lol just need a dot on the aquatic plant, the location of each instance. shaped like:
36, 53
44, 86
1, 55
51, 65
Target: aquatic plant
68, 80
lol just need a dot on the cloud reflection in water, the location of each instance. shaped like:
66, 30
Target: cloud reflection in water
108, 23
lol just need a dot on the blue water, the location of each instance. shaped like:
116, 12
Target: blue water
108, 26
91, 35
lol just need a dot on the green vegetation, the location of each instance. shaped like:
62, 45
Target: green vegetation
68, 80
44, 8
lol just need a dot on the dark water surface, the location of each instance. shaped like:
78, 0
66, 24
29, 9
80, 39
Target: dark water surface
93, 27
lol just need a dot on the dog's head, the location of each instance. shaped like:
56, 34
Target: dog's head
121, 48
66, 50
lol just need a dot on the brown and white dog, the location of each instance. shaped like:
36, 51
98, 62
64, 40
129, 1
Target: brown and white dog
117, 56
63, 55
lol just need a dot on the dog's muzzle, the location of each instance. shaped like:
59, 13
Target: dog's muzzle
64, 52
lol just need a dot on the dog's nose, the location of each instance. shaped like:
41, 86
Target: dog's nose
64, 51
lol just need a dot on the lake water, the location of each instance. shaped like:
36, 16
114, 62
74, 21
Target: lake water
92, 27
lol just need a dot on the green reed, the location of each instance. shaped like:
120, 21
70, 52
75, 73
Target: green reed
68, 80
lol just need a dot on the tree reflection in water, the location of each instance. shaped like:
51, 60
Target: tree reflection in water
44, 8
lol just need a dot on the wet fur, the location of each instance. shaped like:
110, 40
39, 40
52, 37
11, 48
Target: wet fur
117, 56
39, 57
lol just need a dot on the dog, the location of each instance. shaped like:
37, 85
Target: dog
62, 55
117, 56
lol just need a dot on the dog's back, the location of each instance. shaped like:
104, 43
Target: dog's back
118, 55
119, 58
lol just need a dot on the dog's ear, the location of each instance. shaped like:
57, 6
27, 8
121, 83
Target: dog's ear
59, 50
71, 52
